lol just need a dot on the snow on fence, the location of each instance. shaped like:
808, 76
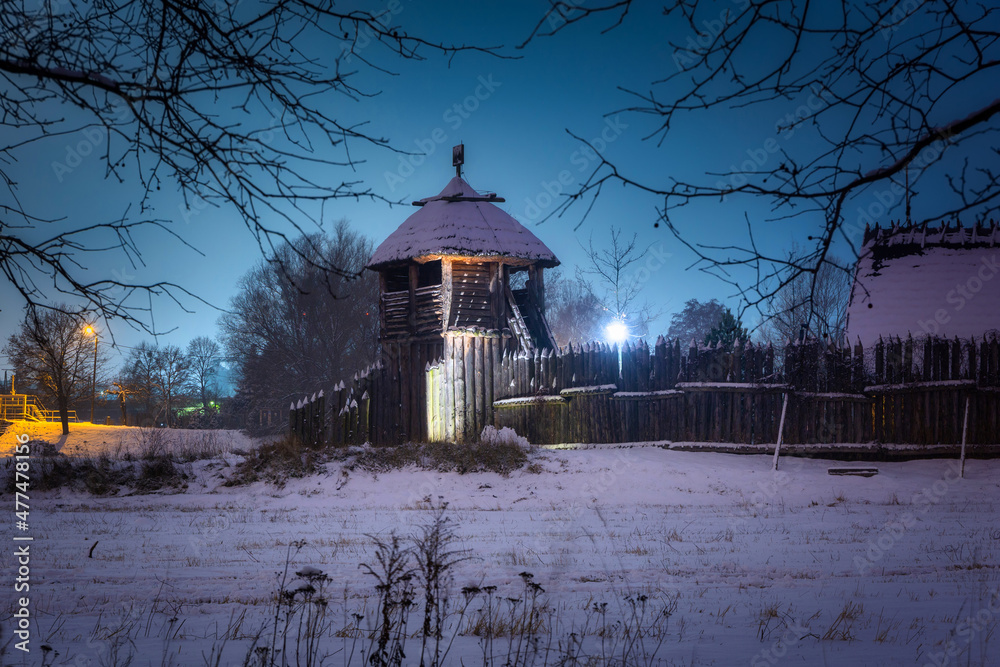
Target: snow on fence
900, 391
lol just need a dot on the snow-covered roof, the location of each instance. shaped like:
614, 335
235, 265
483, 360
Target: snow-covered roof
461, 221
922, 281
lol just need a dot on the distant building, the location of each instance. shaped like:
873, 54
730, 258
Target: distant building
920, 281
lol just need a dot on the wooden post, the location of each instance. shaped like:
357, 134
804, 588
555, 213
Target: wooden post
310, 420
446, 294
430, 414
342, 398
411, 310
540, 289
405, 389
483, 409
301, 419
469, 362
501, 295
781, 430
458, 383
447, 390
493, 359
965, 431
321, 415
382, 289
352, 423
363, 411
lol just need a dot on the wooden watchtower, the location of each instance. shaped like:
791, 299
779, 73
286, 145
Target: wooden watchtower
461, 281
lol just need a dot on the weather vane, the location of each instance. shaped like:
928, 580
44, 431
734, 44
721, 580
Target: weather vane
458, 158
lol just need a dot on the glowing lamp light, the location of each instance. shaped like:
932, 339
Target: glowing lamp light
89, 330
616, 332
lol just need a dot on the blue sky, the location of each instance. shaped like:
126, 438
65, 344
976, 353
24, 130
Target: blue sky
513, 116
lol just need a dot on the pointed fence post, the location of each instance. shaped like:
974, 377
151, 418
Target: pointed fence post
311, 420
303, 419
781, 431
352, 423
363, 417
321, 419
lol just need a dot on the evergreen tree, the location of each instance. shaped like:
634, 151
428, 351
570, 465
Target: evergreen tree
727, 331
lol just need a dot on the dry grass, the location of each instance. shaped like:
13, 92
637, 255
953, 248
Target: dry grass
100, 475
500, 451
842, 627
278, 461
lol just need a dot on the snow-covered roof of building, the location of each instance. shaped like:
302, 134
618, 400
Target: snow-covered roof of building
461, 221
942, 281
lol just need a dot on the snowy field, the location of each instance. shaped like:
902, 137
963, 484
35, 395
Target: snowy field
87, 439
754, 567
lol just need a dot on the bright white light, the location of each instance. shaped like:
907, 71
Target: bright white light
616, 332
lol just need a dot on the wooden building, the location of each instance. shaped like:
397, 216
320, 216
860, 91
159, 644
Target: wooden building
917, 280
461, 282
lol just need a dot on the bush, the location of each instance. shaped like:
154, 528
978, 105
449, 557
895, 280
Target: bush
156, 473
100, 476
275, 462
501, 451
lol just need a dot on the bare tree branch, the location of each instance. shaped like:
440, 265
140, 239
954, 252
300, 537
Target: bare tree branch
237, 104
878, 92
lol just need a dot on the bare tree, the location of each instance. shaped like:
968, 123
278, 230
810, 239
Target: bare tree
287, 331
884, 99
813, 307
573, 312
614, 268
172, 370
204, 356
142, 378
695, 321
52, 352
121, 390
235, 104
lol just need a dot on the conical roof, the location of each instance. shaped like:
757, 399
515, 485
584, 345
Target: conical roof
461, 221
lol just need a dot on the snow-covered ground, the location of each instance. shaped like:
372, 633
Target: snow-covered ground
794, 567
85, 439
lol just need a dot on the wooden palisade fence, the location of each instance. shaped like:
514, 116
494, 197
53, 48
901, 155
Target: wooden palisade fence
900, 391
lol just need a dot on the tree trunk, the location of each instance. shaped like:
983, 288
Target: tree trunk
64, 413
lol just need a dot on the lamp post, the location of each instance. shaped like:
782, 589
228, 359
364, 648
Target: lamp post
93, 385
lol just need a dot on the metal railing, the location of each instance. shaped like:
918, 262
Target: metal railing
24, 407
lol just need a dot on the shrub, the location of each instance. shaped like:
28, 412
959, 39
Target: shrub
156, 473
100, 476
501, 451
275, 462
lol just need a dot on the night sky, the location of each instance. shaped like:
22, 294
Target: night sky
513, 116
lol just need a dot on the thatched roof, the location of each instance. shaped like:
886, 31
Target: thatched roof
923, 280
461, 222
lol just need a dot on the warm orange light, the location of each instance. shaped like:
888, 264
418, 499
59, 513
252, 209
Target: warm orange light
89, 330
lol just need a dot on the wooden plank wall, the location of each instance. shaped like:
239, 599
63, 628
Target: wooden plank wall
461, 385
427, 313
471, 305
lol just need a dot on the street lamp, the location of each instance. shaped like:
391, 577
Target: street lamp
91, 331
617, 333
